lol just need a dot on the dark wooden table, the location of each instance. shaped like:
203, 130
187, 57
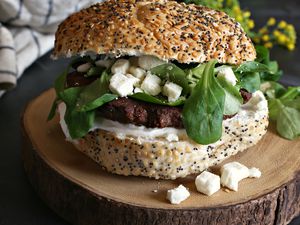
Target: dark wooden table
19, 204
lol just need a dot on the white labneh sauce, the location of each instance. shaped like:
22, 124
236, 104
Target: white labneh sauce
256, 108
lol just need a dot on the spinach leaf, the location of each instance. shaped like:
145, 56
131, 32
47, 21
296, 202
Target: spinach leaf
94, 71
95, 94
290, 94
272, 89
274, 107
156, 100
250, 81
263, 56
80, 60
233, 98
173, 73
294, 103
251, 67
59, 86
203, 110
288, 122
53, 109
79, 123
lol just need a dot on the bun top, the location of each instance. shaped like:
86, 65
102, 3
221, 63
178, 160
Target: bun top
166, 29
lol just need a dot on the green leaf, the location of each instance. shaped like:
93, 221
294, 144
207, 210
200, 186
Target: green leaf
81, 60
251, 67
95, 94
94, 71
59, 86
233, 98
250, 82
203, 110
79, 123
198, 70
156, 100
172, 73
272, 89
288, 123
53, 109
290, 94
293, 103
60, 81
274, 107
263, 54
70, 95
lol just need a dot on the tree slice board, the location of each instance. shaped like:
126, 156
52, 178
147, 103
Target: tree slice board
81, 192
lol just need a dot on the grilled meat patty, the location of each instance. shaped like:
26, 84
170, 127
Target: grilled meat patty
127, 110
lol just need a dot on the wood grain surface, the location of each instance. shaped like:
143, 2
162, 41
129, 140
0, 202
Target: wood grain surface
78, 190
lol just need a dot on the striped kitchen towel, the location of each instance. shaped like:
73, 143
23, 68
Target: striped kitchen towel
27, 30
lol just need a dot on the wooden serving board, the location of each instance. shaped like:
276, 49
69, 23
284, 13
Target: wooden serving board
81, 192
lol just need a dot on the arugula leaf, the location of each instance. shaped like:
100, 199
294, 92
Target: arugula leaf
233, 98
173, 73
156, 100
203, 110
95, 94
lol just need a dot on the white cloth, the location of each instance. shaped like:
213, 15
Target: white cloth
27, 30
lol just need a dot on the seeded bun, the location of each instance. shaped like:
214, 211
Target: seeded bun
166, 29
162, 159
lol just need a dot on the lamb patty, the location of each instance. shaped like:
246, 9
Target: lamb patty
127, 110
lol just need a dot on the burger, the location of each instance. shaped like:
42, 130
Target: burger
157, 88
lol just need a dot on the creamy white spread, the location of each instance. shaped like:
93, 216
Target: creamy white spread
256, 108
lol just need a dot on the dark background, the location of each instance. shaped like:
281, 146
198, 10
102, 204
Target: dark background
19, 204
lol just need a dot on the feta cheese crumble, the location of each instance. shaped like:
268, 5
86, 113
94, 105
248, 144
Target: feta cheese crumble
232, 173
148, 62
177, 195
121, 84
227, 73
207, 183
151, 84
120, 66
172, 91
83, 68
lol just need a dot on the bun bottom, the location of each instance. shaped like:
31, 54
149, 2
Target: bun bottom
162, 159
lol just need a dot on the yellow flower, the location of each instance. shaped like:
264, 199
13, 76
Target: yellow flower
276, 33
236, 9
282, 24
266, 38
263, 30
251, 24
256, 39
291, 46
290, 28
239, 18
268, 45
271, 21
282, 38
247, 14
